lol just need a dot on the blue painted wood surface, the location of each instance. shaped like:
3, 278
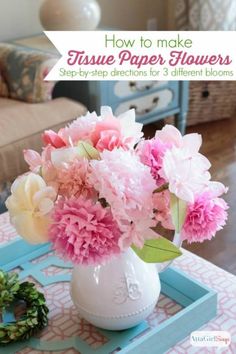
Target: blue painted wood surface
198, 301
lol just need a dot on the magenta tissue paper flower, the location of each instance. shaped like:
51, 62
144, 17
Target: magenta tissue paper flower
151, 153
83, 231
205, 217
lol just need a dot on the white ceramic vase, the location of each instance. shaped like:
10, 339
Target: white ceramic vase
70, 15
119, 294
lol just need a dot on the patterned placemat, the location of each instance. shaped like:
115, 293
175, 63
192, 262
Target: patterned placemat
65, 323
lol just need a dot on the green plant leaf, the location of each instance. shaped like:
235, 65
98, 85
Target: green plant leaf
178, 209
157, 251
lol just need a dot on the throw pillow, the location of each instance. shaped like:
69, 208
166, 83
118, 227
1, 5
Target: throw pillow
3, 87
24, 71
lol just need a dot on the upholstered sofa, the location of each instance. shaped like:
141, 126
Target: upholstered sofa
26, 108
21, 127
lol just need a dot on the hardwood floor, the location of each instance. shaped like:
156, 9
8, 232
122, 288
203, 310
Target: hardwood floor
219, 145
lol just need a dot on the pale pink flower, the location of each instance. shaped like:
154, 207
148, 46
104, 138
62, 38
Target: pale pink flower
171, 135
127, 186
80, 129
72, 179
161, 203
83, 231
109, 140
60, 157
151, 153
130, 129
136, 233
54, 139
42, 164
105, 131
107, 134
186, 173
33, 159
48, 170
205, 216
216, 188
114, 132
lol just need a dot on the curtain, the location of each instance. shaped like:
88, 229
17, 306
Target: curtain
205, 15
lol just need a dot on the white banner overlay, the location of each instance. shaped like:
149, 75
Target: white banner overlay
210, 339
129, 55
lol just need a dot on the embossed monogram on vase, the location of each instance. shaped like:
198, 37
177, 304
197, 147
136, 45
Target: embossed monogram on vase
128, 288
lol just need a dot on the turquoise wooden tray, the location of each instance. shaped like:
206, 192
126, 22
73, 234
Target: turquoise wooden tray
198, 303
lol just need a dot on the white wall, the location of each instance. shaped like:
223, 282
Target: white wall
19, 18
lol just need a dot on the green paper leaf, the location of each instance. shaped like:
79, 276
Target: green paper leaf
157, 251
178, 209
87, 150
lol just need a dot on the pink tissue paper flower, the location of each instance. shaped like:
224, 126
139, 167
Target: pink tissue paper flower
105, 131
54, 139
161, 202
80, 129
107, 134
186, 172
42, 164
72, 179
114, 132
151, 153
127, 186
171, 135
183, 167
33, 159
131, 130
205, 217
83, 231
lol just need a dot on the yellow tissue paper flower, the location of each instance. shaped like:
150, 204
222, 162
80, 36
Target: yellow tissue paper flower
29, 206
